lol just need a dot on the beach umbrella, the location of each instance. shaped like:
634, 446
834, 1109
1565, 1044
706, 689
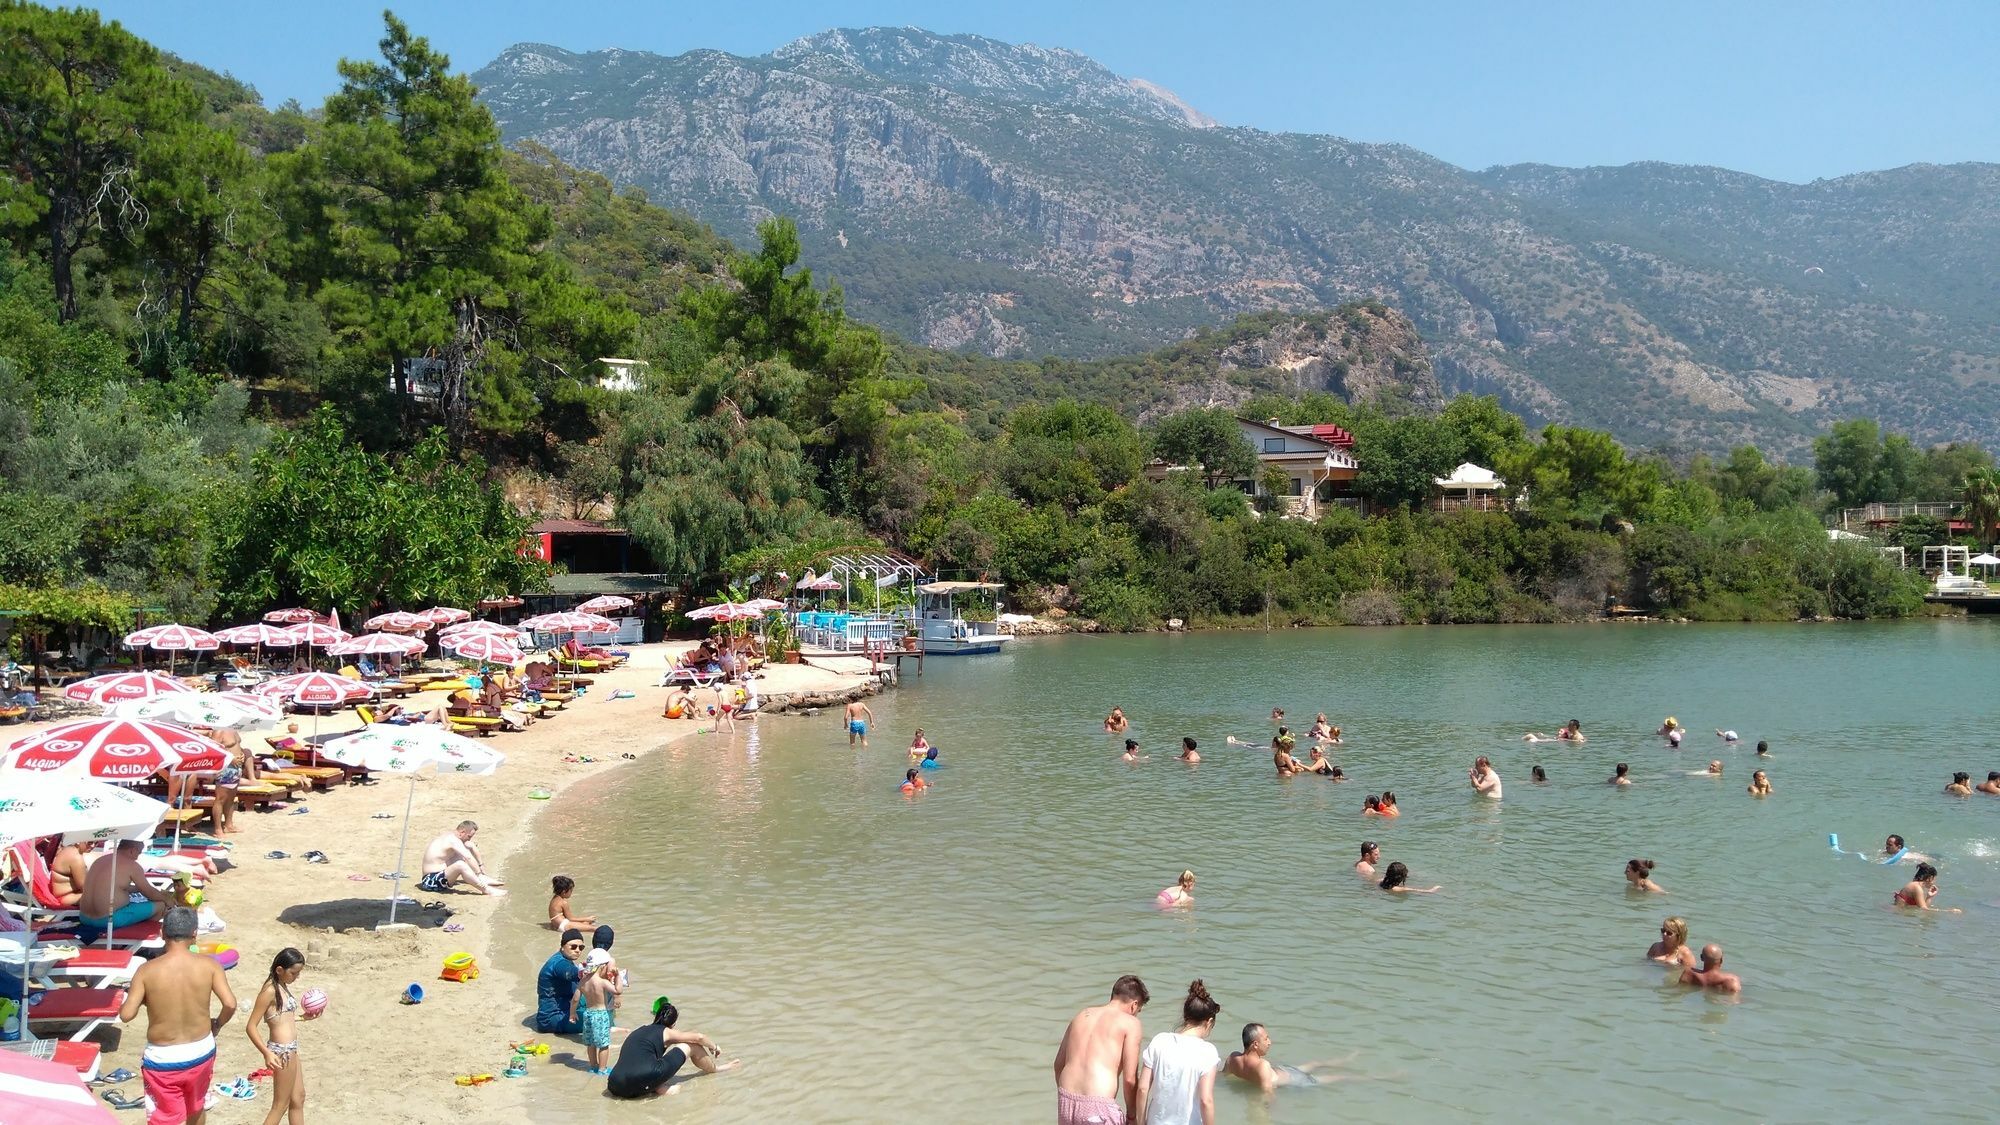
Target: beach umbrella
764, 605
44, 1092
411, 750
604, 603
478, 629
293, 616
316, 633
483, 648
172, 639
75, 808
113, 749
314, 689
574, 624
444, 615
377, 644
121, 687
397, 621
216, 710
256, 633
725, 611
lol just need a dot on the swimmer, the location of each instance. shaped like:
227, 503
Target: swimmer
1188, 753
1371, 805
918, 745
1572, 732
1991, 786
1621, 776
1714, 769
1538, 775
1485, 781
1922, 890
1371, 854
1278, 717
1728, 736
1763, 748
1639, 876
1281, 756
1396, 879
1253, 1064
1319, 763
1760, 786
1131, 753
1961, 784
1710, 975
1894, 848
1115, 722
1673, 948
857, 716
1672, 731
913, 784
930, 761
1388, 804
1180, 894
1319, 729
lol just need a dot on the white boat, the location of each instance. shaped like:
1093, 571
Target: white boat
944, 631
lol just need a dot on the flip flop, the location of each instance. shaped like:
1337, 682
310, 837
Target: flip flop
315, 856
117, 1100
259, 1074
392, 876
298, 811
434, 904
115, 1077
382, 816
453, 928
359, 878
277, 855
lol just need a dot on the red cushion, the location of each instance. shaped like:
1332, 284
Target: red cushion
80, 1056
98, 957
141, 932
76, 1004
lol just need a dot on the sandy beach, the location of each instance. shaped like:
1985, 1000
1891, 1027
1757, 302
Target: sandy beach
369, 1052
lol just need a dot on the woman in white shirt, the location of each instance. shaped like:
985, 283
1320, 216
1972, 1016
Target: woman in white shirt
1177, 1069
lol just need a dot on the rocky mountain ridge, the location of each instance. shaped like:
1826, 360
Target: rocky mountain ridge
1026, 201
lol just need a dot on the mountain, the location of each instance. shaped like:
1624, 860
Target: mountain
1024, 201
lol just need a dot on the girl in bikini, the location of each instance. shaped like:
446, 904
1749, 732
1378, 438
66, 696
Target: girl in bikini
1920, 891
274, 1031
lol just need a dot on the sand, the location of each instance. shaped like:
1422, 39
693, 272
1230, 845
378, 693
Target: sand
371, 1058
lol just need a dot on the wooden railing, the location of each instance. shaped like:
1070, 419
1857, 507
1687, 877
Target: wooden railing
1890, 513
1468, 504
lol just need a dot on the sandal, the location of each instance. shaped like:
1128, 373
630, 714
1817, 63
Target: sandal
315, 856
359, 878
114, 1078
117, 1100
454, 928
277, 855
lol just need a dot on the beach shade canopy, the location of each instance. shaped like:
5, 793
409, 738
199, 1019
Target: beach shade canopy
256, 633
483, 648
112, 749
215, 710
75, 808
604, 603
173, 638
314, 689
444, 615
398, 621
410, 750
724, 611
122, 687
763, 605
479, 629
822, 584
377, 644
1983, 560
293, 616
44, 1092
316, 633
569, 623
1469, 477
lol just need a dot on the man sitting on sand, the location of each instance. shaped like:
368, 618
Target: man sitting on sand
1710, 975
107, 889
174, 990
452, 859
1098, 1062
1253, 1064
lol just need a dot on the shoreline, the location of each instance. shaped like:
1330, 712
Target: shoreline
369, 1046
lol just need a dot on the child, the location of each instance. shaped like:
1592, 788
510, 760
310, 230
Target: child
601, 938
592, 1007
913, 784
724, 708
918, 746
560, 917
273, 1030
680, 705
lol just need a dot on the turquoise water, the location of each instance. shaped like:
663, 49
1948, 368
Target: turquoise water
881, 959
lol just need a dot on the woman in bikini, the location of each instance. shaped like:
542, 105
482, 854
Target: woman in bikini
1672, 948
274, 1031
1397, 878
1180, 894
1921, 891
1639, 877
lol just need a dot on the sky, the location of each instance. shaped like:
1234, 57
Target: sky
1787, 89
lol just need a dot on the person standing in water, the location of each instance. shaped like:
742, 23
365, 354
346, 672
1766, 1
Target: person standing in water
1097, 1064
1131, 753
1180, 894
1115, 722
1253, 1064
1397, 878
858, 717
1961, 785
1622, 775
1672, 948
1485, 781
1188, 752
1281, 756
1760, 786
1921, 892
1991, 786
1177, 1069
1710, 975
1539, 776
1639, 876
1371, 854
919, 746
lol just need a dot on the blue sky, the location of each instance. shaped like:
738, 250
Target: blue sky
1782, 88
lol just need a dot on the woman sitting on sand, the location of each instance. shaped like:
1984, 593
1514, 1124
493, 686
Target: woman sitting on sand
1180, 894
1672, 948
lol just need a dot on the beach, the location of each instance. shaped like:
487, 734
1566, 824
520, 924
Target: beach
370, 1057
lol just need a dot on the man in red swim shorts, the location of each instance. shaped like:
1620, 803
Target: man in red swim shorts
175, 989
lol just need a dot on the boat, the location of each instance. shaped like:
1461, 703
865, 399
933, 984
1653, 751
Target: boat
943, 631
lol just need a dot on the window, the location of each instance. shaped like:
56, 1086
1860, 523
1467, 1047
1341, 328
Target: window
1298, 486
1274, 445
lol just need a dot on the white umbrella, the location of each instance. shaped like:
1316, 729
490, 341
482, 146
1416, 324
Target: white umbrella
256, 633
377, 644
75, 808
604, 602
725, 611
411, 750
171, 639
397, 621
483, 648
233, 710
119, 687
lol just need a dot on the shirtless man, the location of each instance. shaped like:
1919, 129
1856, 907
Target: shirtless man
1991, 786
1253, 1064
1188, 753
680, 705
1485, 781
107, 891
1714, 769
1710, 975
174, 989
1622, 775
1115, 722
1098, 1062
1760, 785
1371, 854
858, 716
452, 858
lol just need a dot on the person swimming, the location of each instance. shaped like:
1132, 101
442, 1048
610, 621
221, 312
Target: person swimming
1894, 850
1319, 764
1538, 775
918, 745
1253, 1064
1921, 892
1397, 878
1371, 854
1188, 753
1672, 731
1621, 775
1571, 731
1131, 753
1760, 785
1710, 975
1763, 748
1714, 769
930, 761
1672, 948
1728, 736
1115, 722
1639, 876
913, 784
1961, 784
1371, 805
1180, 894
1387, 805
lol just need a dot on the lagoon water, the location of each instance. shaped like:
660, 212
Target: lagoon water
876, 959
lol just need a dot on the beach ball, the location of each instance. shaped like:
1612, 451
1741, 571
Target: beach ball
312, 1002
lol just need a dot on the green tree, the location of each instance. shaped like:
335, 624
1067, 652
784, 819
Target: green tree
1580, 476
1209, 439
1068, 453
1484, 432
1846, 458
1981, 496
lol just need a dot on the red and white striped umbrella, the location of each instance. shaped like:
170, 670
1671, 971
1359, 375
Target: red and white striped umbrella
478, 628
293, 616
377, 644
44, 1092
114, 750
256, 633
121, 687
237, 710
724, 611
763, 605
444, 615
604, 602
570, 623
173, 638
822, 583
315, 689
483, 648
315, 633
397, 621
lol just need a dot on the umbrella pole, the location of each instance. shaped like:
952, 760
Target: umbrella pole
402, 850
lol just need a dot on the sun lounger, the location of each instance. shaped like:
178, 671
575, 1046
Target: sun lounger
104, 968
259, 792
685, 675
182, 817
135, 936
481, 725
88, 1007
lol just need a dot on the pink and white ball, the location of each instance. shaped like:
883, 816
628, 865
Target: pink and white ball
312, 1002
